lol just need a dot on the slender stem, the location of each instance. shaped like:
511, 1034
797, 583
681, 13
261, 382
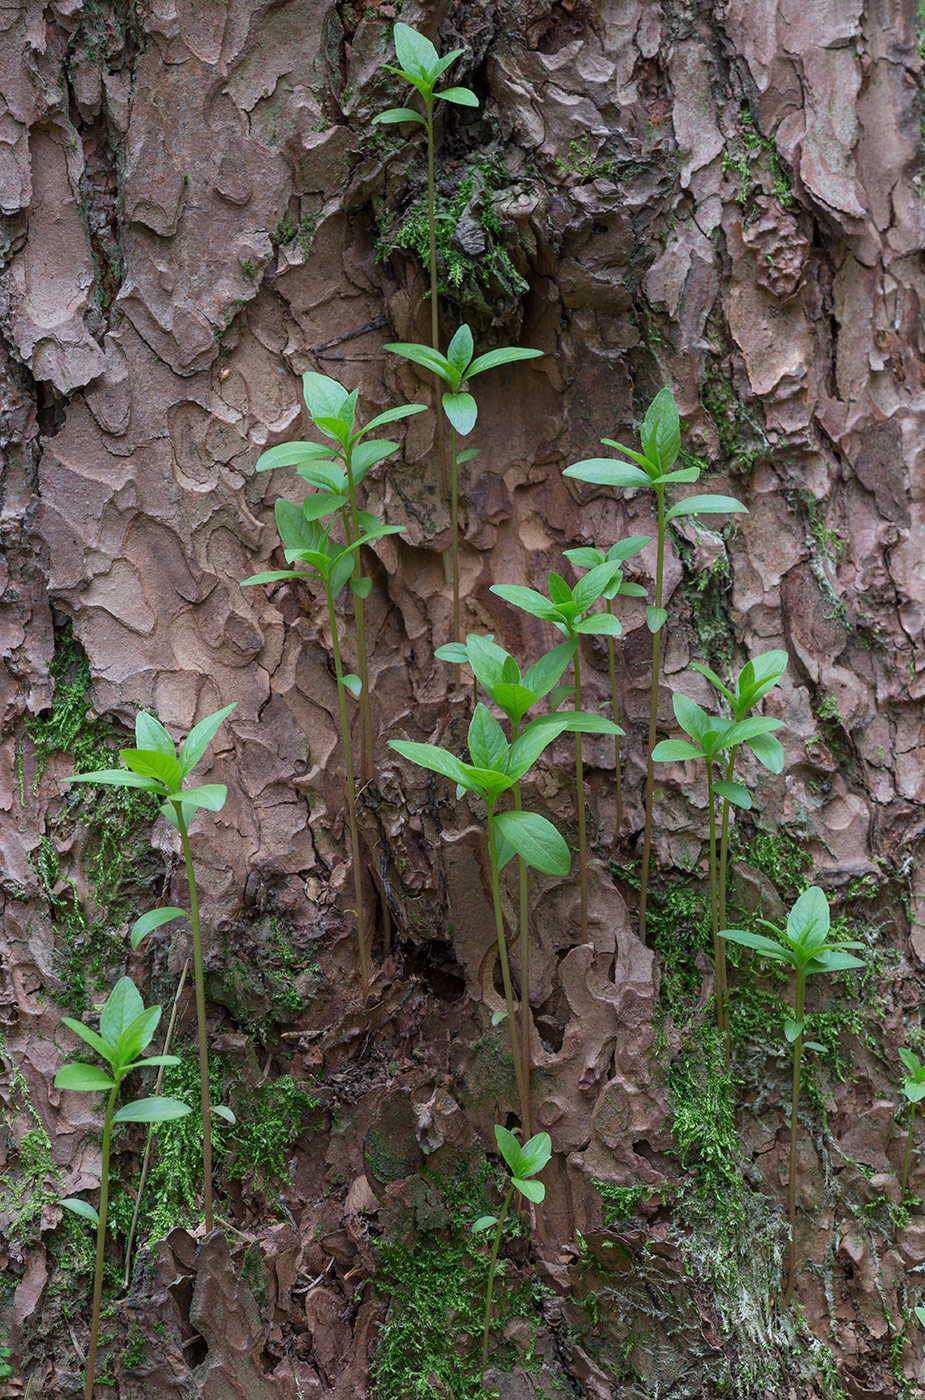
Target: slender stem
653, 718
100, 1246
792, 1184
366, 722
351, 795
152, 1131
434, 305
724, 840
616, 738
505, 968
719, 944
580, 796
526, 1058
199, 979
902, 1189
492, 1265
454, 531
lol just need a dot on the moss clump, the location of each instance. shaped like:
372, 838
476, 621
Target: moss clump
269, 1119
742, 439
755, 159
620, 1202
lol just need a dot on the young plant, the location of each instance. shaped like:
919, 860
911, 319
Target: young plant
587, 558
335, 471
127, 1028
456, 368
756, 678
913, 1093
155, 767
422, 67
714, 737
332, 563
523, 1164
515, 695
569, 610
496, 766
661, 444
804, 946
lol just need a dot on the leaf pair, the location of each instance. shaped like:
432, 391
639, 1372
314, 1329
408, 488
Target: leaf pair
712, 735
755, 679
588, 558
127, 1028
499, 675
305, 540
661, 444
805, 944
523, 1163
566, 607
914, 1084
422, 67
456, 368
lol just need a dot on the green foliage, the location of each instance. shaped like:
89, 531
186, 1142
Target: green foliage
620, 1202
6, 1370
749, 153
580, 162
456, 368
268, 1119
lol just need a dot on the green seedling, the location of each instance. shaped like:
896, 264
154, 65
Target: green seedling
515, 695
588, 558
495, 768
805, 947
714, 738
335, 470
569, 610
456, 368
127, 1028
6, 1370
756, 678
155, 767
523, 1164
423, 67
305, 540
661, 444
913, 1092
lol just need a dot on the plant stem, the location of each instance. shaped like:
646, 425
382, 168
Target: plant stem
158, 1087
505, 968
792, 1184
580, 794
351, 795
525, 1019
492, 1265
434, 307
616, 738
653, 718
199, 979
902, 1189
366, 722
724, 843
100, 1246
719, 944
454, 531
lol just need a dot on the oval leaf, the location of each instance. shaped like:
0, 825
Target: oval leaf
154, 919
159, 1110
462, 411
706, 505
82, 1208
536, 841
84, 1078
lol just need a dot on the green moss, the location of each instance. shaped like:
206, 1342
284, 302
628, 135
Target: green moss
620, 1202
781, 855
31, 1179
580, 161
755, 159
269, 1119
741, 437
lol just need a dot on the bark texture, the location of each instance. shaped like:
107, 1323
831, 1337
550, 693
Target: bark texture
721, 197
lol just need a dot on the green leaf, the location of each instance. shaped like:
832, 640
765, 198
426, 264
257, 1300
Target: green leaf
581, 722
509, 1147
463, 97
361, 587
340, 574
515, 700
793, 1030
532, 741
833, 960
82, 1208
604, 471
468, 455
462, 411
291, 454
533, 1190
504, 356
368, 454
219, 1110
675, 751
445, 60
632, 590
86, 1078
91, 1038
392, 415
914, 1092
152, 764
692, 719
434, 758
768, 751
735, 793
335, 428
154, 919
424, 356
459, 351
590, 587
415, 53
686, 474
661, 430
324, 475
501, 1014
544, 674
920, 1314
487, 744
159, 1110
559, 591
316, 507
398, 114
116, 777
211, 796
706, 505
561, 693
808, 920
911, 1061
535, 1154
353, 684
813, 1045
272, 576
584, 558
761, 945
155, 1060
742, 731
454, 652
536, 841
527, 599
600, 625
123, 1006
150, 734
294, 530
138, 1034
324, 397
656, 618
484, 1222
